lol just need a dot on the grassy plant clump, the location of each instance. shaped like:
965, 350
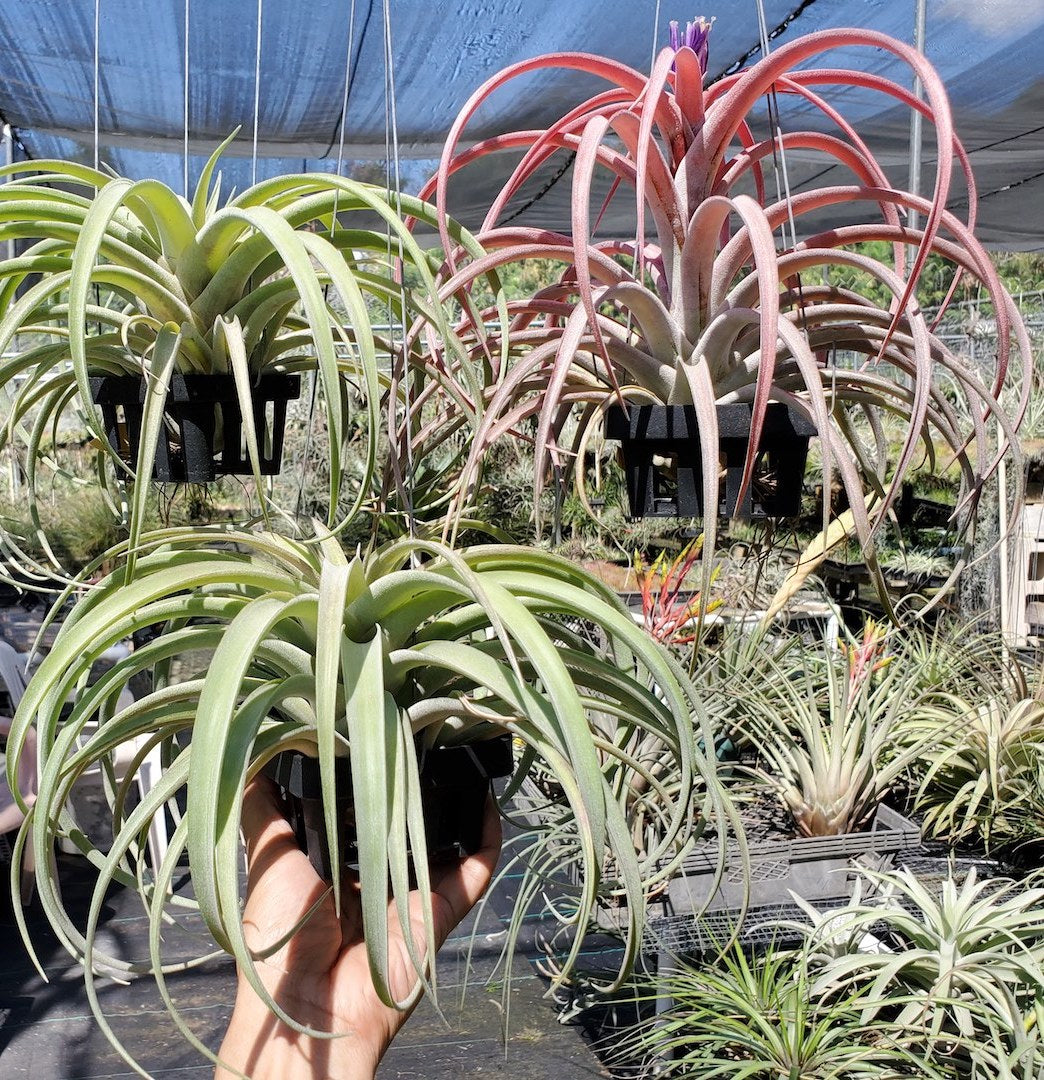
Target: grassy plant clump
756, 1017
900, 982
982, 777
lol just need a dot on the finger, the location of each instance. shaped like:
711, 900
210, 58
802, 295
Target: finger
267, 833
462, 887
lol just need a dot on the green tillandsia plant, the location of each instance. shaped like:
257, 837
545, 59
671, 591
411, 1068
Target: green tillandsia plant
127, 277
961, 972
984, 773
825, 731
755, 1017
704, 307
371, 658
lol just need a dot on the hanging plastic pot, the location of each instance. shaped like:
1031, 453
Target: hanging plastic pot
202, 436
454, 780
663, 460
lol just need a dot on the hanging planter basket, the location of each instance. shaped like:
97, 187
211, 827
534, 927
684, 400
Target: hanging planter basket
202, 438
663, 461
455, 781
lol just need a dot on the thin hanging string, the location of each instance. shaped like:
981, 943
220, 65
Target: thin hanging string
97, 112
185, 102
257, 91
309, 431
343, 126
391, 147
779, 156
655, 34
97, 76
347, 86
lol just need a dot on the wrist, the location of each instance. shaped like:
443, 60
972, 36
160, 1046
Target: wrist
259, 1045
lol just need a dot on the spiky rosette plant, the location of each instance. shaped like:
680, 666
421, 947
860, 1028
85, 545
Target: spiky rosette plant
704, 306
826, 732
370, 659
125, 277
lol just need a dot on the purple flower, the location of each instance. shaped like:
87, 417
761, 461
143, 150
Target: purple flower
696, 38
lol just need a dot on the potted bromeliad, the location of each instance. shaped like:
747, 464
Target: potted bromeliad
373, 666
177, 329
821, 740
707, 334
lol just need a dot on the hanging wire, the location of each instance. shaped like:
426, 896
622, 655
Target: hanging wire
347, 86
779, 156
257, 91
655, 33
97, 111
185, 95
392, 172
312, 399
97, 75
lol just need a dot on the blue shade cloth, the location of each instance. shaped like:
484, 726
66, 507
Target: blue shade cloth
987, 51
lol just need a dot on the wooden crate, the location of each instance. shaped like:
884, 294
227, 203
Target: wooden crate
1024, 617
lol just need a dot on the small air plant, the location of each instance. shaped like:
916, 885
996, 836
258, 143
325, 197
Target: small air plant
962, 968
826, 732
670, 608
755, 1017
985, 773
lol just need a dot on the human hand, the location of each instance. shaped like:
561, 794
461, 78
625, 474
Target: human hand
321, 977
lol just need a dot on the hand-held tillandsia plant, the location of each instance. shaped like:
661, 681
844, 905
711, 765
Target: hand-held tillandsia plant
127, 277
372, 659
704, 307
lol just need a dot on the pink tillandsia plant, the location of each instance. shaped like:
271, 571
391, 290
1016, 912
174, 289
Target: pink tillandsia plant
667, 615
704, 306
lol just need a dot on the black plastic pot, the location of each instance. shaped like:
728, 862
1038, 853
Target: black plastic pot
203, 435
454, 784
664, 463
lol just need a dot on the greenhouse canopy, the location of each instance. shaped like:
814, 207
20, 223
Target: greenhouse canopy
60, 79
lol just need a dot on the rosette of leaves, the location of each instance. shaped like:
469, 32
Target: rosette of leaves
961, 973
754, 1016
825, 732
371, 658
705, 307
123, 277
983, 775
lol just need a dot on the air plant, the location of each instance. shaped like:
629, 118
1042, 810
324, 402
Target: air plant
127, 277
669, 616
826, 733
984, 774
704, 306
372, 659
755, 1017
960, 968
